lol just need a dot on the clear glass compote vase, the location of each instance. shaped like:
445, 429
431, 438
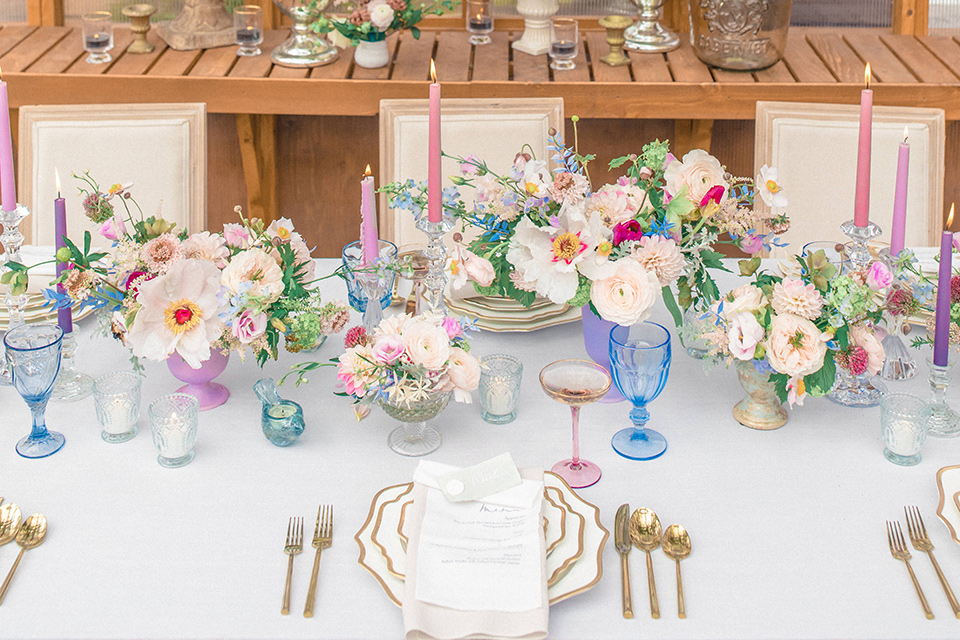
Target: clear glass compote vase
575, 383
640, 363
33, 355
414, 437
304, 48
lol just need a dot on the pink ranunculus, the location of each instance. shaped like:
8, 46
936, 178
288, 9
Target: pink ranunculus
452, 326
249, 326
478, 269
863, 336
745, 333
714, 193
751, 244
388, 349
113, 228
879, 276
469, 166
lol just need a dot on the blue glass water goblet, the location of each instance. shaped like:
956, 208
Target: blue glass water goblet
33, 356
640, 364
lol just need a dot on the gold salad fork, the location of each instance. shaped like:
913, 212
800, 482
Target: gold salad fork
899, 550
293, 546
322, 538
921, 542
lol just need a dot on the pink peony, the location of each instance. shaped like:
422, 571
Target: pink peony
249, 326
356, 370
879, 276
113, 228
744, 334
388, 349
207, 246
795, 345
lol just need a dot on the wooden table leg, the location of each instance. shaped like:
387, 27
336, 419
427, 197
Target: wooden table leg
258, 152
691, 134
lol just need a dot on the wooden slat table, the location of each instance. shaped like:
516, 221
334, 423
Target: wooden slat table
46, 65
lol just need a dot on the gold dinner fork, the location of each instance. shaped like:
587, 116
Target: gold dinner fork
293, 546
921, 542
899, 550
322, 538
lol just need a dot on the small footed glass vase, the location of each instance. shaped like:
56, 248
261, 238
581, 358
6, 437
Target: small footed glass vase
899, 363
860, 391
414, 437
200, 382
760, 409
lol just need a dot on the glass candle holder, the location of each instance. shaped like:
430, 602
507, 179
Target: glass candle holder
904, 421
944, 421
117, 399
500, 376
248, 24
563, 47
414, 258
173, 421
97, 36
479, 21
351, 256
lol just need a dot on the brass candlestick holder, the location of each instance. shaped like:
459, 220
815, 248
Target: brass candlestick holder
615, 26
139, 15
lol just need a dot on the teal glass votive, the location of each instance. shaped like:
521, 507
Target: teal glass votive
281, 420
904, 421
500, 376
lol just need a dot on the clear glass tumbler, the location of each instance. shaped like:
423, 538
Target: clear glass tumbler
98, 36
479, 21
500, 376
173, 420
248, 24
563, 46
904, 421
116, 396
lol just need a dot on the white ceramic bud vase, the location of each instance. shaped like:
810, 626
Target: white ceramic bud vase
372, 55
537, 32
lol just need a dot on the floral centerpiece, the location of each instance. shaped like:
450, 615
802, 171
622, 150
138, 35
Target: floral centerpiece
166, 291
618, 248
801, 327
374, 20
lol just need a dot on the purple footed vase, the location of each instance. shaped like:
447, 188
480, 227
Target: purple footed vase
596, 339
200, 381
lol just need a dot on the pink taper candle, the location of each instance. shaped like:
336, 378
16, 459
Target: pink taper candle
861, 207
8, 185
898, 228
941, 335
434, 190
65, 315
369, 238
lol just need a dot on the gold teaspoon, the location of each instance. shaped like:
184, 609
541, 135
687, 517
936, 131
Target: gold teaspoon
31, 534
645, 533
676, 544
9, 522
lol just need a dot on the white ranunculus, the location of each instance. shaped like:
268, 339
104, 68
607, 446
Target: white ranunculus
627, 296
464, 373
698, 171
426, 343
381, 16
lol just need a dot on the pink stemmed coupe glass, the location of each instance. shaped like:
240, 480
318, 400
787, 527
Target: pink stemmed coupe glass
576, 383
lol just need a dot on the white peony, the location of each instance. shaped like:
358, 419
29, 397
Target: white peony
258, 268
627, 297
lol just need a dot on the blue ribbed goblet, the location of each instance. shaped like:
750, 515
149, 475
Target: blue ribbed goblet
33, 355
640, 364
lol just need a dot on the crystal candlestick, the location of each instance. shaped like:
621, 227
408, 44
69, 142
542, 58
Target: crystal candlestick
373, 287
436, 280
12, 239
71, 384
944, 421
861, 390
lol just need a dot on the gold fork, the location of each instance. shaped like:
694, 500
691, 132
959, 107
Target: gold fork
293, 546
921, 542
322, 538
899, 550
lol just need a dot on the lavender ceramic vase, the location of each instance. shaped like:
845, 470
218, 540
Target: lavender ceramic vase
200, 381
596, 339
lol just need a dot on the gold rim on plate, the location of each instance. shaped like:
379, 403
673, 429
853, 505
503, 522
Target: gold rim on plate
376, 529
943, 501
363, 549
563, 523
561, 571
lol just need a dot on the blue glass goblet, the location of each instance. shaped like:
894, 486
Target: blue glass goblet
640, 364
33, 356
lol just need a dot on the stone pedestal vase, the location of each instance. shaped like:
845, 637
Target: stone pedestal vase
202, 24
760, 408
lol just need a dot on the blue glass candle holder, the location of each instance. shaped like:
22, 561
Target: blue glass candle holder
33, 355
281, 420
640, 364
351, 257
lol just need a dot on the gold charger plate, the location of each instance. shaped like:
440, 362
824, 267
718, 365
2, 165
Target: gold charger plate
948, 509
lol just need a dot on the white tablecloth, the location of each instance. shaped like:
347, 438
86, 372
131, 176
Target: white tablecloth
787, 526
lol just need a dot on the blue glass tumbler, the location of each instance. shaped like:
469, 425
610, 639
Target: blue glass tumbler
33, 356
640, 364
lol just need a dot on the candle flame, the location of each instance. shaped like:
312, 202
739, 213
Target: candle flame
866, 75
479, 16
950, 217
433, 72
56, 173
906, 135
367, 173
1, 75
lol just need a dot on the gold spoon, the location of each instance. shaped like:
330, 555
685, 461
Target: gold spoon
676, 544
645, 533
9, 522
31, 534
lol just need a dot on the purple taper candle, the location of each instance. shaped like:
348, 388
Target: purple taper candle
64, 315
898, 228
941, 335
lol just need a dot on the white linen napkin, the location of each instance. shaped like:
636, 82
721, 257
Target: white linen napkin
431, 521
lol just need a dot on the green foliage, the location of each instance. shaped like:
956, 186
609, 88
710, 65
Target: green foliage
780, 381
820, 382
749, 267
582, 296
672, 307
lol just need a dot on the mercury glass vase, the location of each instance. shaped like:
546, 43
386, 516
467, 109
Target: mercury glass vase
739, 34
304, 48
415, 437
761, 408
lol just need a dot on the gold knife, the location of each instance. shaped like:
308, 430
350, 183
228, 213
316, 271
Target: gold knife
621, 538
